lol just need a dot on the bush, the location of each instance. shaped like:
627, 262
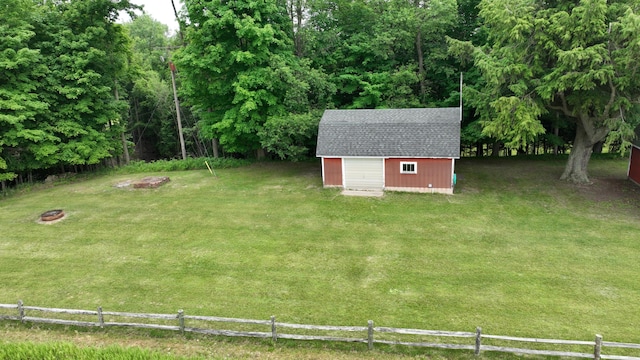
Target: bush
292, 137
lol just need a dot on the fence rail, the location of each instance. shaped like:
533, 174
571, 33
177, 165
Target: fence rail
370, 334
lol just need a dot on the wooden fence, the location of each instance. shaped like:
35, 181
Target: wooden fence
370, 334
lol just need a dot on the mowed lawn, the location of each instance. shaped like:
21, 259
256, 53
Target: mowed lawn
515, 250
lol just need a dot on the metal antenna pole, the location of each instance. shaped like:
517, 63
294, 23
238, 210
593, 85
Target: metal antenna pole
461, 80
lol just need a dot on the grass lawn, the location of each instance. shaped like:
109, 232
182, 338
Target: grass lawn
515, 250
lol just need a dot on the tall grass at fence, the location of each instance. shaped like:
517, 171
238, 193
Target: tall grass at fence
68, 351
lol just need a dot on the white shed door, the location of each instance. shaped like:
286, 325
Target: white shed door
363, 174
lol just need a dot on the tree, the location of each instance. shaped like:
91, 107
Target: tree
58, 100
577, 59
382, 53
152, 115
309, 91
229, 67
21, 72
86, 53
291, 137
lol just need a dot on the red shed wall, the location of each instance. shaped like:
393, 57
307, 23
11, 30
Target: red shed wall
332, 171
634, 165
436, 172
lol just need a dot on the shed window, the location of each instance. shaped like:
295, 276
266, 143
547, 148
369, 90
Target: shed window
408, 168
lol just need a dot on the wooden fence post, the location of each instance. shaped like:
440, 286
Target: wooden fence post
478, 340
21, 310
181, 321
370, 335
274, 333
100, 317
597, 349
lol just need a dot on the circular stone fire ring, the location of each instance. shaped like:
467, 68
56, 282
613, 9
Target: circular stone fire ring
52, 215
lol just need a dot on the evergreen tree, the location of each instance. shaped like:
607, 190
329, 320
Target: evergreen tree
577, 59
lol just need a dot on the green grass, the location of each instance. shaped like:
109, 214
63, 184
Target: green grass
514, 251
67, 351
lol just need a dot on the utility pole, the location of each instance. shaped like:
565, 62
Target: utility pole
175, 98
125, 148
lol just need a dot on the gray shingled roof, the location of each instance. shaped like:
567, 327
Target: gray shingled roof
433, 132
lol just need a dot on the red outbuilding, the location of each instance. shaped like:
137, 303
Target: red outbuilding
390, 149
634, 159
634, 164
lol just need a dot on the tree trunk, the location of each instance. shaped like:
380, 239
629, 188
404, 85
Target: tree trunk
495, 151
576, 167
597, 148
125, 148
556, 132
423, 85
215, 144
298, 30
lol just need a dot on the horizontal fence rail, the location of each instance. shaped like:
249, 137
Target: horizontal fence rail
272, 329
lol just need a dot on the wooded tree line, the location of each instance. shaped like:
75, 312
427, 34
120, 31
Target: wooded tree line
77, 88
60, 66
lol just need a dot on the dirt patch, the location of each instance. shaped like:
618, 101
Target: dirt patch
151, 182
611, 189
123, 184
144, 183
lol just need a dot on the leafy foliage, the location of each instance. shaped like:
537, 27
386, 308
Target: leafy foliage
291, 137
382, 53
21, 70
239, 71
61, 63
230, 67
152, 111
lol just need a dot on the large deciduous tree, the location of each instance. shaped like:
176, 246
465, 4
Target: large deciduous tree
60, 62
21, 72
87, 52
579, 59
229, 67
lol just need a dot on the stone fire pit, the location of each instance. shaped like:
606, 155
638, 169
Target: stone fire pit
52, 215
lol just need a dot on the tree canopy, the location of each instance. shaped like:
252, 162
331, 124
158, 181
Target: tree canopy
60, 63
247, 62
229, 67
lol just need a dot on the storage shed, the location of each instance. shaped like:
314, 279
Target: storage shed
634, 160
390, 149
